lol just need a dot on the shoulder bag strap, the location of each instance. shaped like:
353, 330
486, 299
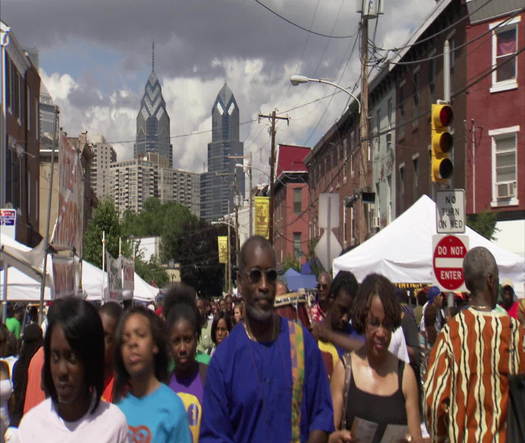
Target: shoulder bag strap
297, 359
347, 363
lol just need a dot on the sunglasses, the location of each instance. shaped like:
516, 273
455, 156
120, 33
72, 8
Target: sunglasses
255, 275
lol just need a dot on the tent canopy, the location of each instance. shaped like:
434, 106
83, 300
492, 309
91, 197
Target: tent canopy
25, 270
295, 281
402, 251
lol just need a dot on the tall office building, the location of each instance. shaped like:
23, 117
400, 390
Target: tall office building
103, 156
134, 181
153, 122
223, 180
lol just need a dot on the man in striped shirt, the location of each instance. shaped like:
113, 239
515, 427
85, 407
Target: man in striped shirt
466, 386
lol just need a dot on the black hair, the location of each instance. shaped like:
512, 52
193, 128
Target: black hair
31, 341
161, 358
376, 285
183, 306
344, 280
111, 309
176, 292
4, 340
83, 331
254, 240
227, 318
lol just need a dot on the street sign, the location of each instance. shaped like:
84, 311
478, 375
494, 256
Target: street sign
450, 211
447, 261
8, 222
327, 248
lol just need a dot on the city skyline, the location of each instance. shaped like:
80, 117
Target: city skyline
95, 70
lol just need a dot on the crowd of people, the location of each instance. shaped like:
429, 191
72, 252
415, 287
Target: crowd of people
362, 362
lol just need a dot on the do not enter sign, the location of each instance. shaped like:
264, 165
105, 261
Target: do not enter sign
447, 261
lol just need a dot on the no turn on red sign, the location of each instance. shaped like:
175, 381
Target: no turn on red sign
447, 261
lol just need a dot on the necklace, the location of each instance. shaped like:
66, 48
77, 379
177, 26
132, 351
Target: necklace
275, 329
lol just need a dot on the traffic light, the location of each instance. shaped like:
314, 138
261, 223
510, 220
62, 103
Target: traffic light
441, 167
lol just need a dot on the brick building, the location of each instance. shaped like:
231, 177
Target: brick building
496, 118
291, 200
20, 141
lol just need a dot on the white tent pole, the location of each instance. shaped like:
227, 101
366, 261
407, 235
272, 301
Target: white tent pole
4, 304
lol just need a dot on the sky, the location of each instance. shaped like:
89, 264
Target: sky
95, 57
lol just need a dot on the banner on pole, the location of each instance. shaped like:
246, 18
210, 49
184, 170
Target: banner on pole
66, 276
68, 229
128, 278
262, 216
114, 270
222, 247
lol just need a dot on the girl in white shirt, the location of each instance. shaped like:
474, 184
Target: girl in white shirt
73, 377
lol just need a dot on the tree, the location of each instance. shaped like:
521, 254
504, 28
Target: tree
105, 219
290, 262
483, 223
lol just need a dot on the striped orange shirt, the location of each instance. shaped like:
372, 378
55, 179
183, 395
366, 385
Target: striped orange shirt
466, 386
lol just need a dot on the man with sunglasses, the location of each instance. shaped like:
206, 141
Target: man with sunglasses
267, 381
318, 311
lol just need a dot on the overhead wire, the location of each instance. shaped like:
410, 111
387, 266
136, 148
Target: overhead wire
320, 34
430, 37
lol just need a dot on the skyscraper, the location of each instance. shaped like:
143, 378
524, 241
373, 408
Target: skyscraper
222, 181
153, 121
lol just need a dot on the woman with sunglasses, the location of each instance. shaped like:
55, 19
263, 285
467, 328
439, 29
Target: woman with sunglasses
373, 391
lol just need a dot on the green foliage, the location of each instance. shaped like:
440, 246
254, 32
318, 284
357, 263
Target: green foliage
483, 223
290, 262
105, 218
185, 239
152, 272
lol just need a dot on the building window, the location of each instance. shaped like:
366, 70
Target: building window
504, 165
297, 203
297, 250
28, 108
415, 163
389, 113
402, 180
504, 60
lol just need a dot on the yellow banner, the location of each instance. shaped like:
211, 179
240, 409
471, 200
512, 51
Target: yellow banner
262, 216
222, 246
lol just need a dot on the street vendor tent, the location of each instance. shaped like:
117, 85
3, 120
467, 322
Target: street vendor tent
402, 251
295, 280
25, 270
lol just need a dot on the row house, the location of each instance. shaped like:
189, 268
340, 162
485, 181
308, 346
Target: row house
419, 76
19, 145
496, 118
291, 200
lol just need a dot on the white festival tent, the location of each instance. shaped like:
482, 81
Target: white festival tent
25, 270
402, 251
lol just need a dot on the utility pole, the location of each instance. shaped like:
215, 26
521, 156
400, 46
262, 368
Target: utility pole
364, 117
273, 116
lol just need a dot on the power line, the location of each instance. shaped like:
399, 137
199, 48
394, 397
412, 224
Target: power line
287, 20
430, 37
457, 48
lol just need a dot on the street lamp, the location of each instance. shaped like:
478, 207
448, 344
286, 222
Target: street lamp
298, 79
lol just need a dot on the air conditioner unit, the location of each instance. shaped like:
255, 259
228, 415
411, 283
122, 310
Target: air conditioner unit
506, 190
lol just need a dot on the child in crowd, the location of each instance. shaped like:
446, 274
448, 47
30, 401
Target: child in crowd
189, 375
153, 411
73, 376
220, 328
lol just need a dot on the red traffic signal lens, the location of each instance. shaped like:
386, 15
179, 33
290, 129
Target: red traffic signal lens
446, 115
